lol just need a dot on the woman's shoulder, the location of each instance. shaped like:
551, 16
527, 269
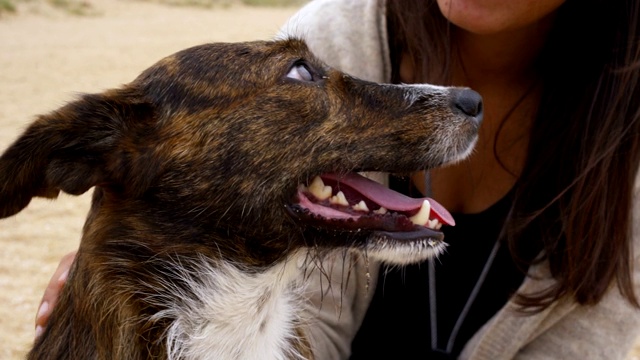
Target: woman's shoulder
349, 35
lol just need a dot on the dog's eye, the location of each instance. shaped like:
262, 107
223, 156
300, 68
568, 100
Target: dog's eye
300, 71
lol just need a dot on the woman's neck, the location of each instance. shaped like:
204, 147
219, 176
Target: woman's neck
500, 59
501, 67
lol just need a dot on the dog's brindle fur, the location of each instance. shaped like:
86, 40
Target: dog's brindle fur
190, 249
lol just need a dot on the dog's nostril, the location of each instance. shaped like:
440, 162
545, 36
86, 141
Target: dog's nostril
468, 101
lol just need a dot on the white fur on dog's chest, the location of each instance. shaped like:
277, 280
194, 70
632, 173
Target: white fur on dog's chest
231, 314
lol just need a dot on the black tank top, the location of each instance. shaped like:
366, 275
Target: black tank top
398, 324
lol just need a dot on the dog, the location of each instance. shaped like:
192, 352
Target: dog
221, 174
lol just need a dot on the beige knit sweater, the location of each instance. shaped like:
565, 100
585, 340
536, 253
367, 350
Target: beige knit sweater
350, 35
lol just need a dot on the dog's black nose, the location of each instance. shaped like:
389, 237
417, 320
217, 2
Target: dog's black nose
467, 101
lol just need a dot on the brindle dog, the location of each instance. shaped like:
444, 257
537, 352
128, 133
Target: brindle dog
217, 172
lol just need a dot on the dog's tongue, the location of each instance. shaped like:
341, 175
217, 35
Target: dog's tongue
389, 199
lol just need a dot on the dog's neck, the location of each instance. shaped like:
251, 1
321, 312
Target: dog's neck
234, 314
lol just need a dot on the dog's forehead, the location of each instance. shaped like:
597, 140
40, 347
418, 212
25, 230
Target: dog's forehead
208, 71
244, 53
239, 59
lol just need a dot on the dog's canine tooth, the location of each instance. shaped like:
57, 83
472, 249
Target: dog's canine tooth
319, 190
339, 199
422, 216
361, 206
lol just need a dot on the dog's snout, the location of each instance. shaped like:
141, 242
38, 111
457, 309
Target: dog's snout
468, 102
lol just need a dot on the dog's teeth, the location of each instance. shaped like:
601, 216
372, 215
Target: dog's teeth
319, 190
434, 224
339, 199
361, 206
380, 211
422, 217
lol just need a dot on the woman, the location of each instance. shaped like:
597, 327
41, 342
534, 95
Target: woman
540, 264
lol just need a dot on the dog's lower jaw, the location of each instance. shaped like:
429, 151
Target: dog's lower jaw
233, 314
403, 252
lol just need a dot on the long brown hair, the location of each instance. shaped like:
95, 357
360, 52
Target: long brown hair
574, 198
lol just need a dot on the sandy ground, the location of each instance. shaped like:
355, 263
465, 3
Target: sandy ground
47, 58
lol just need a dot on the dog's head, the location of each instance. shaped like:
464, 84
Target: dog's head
231, 141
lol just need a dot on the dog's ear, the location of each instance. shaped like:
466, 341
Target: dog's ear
92, 141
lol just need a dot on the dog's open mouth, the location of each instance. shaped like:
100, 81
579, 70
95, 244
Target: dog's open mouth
354, 203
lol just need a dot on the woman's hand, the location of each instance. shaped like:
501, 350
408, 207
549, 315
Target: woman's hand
52, 292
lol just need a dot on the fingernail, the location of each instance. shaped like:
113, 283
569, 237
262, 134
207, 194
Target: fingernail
44, 307
63, 276
39, 330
